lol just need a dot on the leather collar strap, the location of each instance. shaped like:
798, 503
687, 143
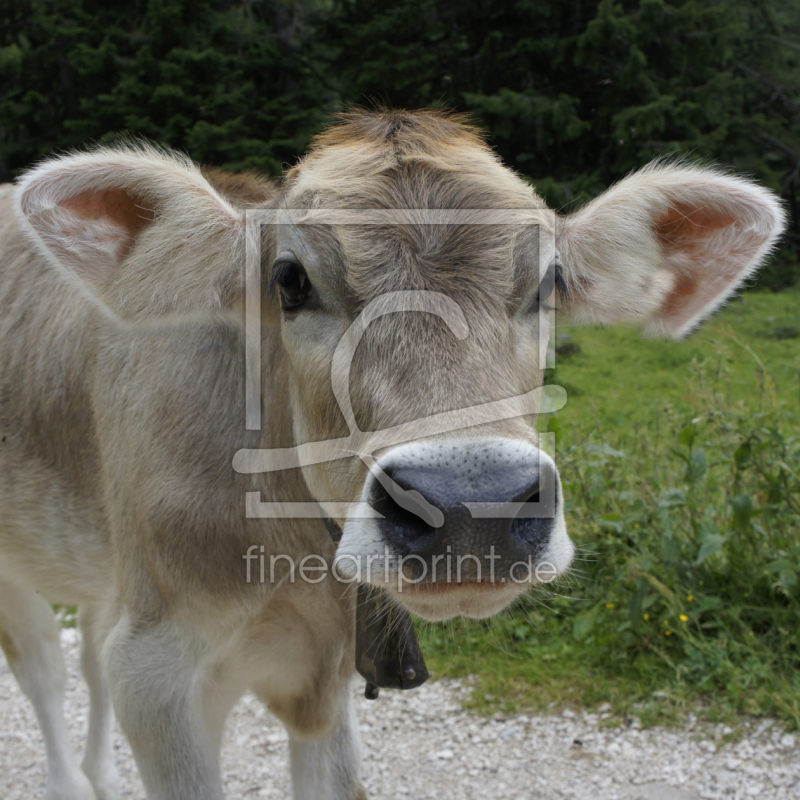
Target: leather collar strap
388, 654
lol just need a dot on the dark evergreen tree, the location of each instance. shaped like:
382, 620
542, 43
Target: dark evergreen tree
222, 80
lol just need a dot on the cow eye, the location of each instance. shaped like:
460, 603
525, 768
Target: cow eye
291, 279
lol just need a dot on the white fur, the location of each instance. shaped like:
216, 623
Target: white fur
619, 270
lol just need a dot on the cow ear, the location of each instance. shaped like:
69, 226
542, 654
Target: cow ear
96, 214
666, 247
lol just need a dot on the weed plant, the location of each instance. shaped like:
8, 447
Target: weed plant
686, 590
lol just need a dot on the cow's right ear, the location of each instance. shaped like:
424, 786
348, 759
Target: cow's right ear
92, 213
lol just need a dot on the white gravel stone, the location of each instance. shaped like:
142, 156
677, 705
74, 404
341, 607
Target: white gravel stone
423, 744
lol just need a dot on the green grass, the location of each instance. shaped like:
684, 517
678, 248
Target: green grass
681, 470
619, 378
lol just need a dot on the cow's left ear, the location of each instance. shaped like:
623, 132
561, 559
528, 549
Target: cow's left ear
666, 247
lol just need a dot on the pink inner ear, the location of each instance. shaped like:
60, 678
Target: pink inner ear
114, 205
679, 298
707, 259
689, 227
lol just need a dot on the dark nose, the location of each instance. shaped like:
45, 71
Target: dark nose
462, 508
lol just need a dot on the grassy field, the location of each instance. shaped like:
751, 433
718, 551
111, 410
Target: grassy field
681, 468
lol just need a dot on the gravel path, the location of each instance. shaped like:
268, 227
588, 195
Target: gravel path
424, 745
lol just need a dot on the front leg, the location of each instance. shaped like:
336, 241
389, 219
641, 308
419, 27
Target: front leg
328, 767
29, 636
303, 646
158, 687
98, 762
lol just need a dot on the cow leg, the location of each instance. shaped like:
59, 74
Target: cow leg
30, 638
158, 689
98, 761
328, 767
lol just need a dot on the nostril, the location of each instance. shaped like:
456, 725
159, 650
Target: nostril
403, 527
415, 503
533, 497
400, 486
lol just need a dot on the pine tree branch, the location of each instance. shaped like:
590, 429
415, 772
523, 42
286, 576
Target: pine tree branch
781, 145
780, 91
778, 40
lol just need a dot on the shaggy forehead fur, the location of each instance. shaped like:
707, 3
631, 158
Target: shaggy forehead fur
420, 160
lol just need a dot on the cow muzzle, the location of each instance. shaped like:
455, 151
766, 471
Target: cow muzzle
462, 527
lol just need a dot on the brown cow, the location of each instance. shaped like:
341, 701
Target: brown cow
141, 461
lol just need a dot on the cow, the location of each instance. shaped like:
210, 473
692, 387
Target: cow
193, 406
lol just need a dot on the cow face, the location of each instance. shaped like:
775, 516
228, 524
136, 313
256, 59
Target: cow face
410, 319
449, 311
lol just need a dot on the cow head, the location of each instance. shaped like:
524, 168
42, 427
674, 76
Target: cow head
448, 280
413, 332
